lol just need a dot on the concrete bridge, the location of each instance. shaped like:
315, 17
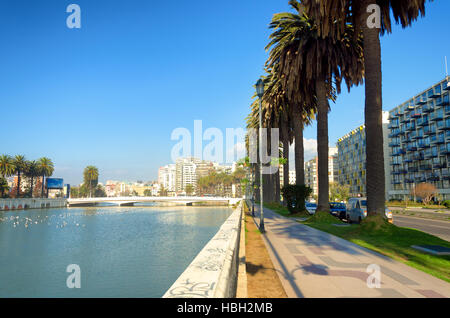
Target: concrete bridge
130, 201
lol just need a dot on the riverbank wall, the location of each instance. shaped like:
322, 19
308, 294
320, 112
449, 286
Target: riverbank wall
213, 272
31, 203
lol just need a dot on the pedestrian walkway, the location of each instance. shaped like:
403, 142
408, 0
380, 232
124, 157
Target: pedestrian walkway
312, 263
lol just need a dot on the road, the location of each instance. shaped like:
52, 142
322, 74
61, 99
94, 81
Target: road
435, 227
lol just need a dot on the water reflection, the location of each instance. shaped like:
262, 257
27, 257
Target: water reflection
122, 251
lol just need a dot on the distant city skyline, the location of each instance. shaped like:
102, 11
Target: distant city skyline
111, 93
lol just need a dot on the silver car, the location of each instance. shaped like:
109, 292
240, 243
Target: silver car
357, 210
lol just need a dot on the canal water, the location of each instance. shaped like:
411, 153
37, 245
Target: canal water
121, 251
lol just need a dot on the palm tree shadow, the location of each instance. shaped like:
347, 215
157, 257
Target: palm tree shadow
252, 269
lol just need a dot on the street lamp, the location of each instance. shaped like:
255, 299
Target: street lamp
260, 93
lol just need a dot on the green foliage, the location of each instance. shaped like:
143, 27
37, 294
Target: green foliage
4, 188
339, 192
147, 193
324, 218
189, 189
295, 196
446, 204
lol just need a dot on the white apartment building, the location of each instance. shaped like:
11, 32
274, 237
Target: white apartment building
311, 173
167, 177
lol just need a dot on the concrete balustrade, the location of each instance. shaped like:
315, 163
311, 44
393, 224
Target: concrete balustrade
31, 203
213, 273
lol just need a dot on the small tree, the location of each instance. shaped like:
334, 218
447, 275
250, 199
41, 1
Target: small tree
339, 192
295, 196
425, 191
189, 189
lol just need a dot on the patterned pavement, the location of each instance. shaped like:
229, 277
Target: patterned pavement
311, 263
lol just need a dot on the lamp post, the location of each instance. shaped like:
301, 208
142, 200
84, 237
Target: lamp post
260, 93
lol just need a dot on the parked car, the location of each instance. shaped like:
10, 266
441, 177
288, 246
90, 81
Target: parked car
338, 209
357, 210
311, 207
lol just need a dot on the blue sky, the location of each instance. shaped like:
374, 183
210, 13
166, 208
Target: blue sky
111, 93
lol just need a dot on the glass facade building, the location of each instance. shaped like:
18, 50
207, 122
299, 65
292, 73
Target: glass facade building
419, 142
352, 159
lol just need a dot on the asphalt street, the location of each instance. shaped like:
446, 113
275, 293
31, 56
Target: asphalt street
435, 227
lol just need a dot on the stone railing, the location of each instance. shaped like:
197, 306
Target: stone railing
31, 203
213, 273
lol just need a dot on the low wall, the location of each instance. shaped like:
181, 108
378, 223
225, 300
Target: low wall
213, 273
31, 203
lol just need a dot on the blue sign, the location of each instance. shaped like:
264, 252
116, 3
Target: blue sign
55, 183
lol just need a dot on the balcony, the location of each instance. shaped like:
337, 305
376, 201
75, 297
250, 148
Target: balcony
447, 87
428, 108
423, 122
407, 160
445, 175
440, 140
447, 110
425, 167
446, 125
439, 165
429, 130
405, 119
421, 100
416, 114
420, 179
411, 148
433, 177
435, 92
394, 144
418, 157
409, 181
393, 124
394, 134
413, 169
442, 101
398, 152
436, 116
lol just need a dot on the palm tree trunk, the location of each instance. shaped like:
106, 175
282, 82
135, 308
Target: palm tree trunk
375, 178
42, 186
285, 156
299, 151
322, 146
277, 186
18, 184
31, 188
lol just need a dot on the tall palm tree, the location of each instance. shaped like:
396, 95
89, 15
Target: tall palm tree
32, 171
91, 177
46, 168
20, 164
332, 17
313, 67
7, 169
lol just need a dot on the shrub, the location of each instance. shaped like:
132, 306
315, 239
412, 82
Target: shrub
295, 196
446, 204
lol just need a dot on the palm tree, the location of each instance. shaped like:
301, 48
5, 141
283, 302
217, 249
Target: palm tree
20, 165
313, 68
332, 17
46, 168
91, 177
32, 171
7, 169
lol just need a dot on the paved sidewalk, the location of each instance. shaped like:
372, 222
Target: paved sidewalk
312, 263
